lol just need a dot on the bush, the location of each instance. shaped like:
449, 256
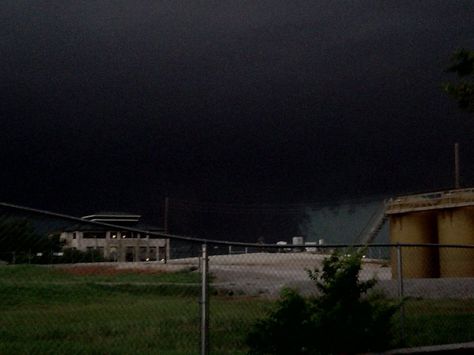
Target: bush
343, 319
77, 256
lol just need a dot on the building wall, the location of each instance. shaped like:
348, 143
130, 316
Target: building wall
443, 226
456, 226
119, 246
420, 228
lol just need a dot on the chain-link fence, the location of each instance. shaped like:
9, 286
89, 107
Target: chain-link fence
108, 284
102, 284
434, 308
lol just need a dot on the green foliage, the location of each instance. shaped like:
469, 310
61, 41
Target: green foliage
344, 318
19, 241
17, 235
287, 330
77, 256
462, 64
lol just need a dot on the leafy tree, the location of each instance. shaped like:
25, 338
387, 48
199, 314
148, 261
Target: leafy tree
343, 319
462, 63
18, 237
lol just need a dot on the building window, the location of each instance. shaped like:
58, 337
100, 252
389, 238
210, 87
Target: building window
161, 253
152, 254
130, 254
93, 235
143, 255
113, 254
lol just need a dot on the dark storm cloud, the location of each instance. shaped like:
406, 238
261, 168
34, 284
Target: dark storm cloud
264, 100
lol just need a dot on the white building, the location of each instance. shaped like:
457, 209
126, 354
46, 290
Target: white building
116, 244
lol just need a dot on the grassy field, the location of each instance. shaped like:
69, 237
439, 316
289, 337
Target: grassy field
431, 322
50, 311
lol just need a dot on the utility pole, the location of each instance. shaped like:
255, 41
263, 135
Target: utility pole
165, 226
204, 301
165, 223
457, 185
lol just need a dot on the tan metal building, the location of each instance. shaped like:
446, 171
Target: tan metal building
445, 217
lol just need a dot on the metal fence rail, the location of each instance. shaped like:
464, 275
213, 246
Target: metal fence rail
205, 296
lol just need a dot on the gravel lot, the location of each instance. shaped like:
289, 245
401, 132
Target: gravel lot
265, 274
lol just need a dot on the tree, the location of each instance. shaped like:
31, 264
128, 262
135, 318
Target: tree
462, 63
345, 318
18, 237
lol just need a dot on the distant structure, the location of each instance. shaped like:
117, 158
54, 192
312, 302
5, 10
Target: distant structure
445, 217
116, 244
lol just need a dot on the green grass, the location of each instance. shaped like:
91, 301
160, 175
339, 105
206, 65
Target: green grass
431, 322
44, 310
47, 311
32, 273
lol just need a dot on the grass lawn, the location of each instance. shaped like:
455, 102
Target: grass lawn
431, 322
44, 310
48, 311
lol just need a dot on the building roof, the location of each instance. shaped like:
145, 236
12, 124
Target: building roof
431, 201
116, 218
79, 227
113, 217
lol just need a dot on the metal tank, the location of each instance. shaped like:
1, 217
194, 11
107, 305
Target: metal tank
456, 226
298, 240
419, 228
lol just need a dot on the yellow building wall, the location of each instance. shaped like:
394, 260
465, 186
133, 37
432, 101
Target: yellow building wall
456, 226
420, 228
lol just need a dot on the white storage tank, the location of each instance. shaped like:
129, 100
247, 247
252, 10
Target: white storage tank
298, 240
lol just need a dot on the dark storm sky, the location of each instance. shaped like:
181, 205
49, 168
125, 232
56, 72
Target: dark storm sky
115, 104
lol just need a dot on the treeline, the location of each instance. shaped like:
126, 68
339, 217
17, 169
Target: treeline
20, 243
18, 237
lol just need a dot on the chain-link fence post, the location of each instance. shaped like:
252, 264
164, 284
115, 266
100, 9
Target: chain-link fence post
204, 302
400, 291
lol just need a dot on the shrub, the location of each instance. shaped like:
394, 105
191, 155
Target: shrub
286, 330
344, 318
78, 256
